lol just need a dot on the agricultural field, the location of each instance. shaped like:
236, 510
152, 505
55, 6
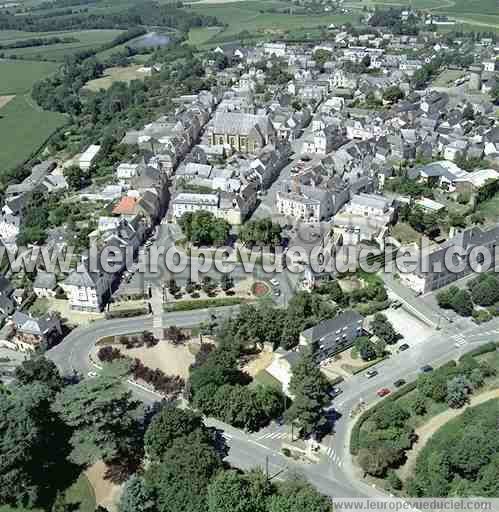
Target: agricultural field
24, 128
87, 39
254, 17
17, 77
198, 36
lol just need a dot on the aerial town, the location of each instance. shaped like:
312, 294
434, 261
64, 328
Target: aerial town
164, 382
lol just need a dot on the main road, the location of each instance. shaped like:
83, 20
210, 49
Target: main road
334, 474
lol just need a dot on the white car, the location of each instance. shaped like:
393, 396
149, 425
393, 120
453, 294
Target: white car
92, 374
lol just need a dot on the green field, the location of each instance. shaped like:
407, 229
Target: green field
247, 16
87, 39
24, 128
17, 77
201, 35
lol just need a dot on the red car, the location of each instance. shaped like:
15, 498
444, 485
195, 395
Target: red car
383, 392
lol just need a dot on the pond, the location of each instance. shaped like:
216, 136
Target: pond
151, 40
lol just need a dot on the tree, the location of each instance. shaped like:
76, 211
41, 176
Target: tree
458, 390
169, 424
297, 495
261, 232
310, 389
462, 303
208, 285
376, 460
484, 290
365, 348
76, 177
39, 369
175, 335
417, 404
393, 94
102, 415
383, 329
203, 228
234, 492
321, 57
136, 497
180, 481
32, 471
226, 282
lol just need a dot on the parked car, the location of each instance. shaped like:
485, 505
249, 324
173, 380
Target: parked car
396, 304
426, 368
371, 373
383, 392
403, 347
335, 391
399, 383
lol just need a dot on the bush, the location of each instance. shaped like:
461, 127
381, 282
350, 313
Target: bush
125, 313
189, 305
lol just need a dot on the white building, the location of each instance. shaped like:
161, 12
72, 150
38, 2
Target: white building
299, 206
126, 171
187, 202
88, 157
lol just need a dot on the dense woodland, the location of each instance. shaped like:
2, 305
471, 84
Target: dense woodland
97, 419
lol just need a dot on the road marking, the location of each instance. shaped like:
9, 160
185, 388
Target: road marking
226, 436
331, 454
273, 435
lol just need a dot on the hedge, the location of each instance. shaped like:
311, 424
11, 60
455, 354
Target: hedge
125, 313
187, 305
484, 349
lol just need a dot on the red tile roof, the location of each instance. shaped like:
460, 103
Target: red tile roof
126, 206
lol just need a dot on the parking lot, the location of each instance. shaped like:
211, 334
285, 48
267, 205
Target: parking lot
412, 329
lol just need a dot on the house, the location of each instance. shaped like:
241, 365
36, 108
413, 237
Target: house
45, 284
472, 181
31, 334
88, 290
126, 171
246, 133
443, 173
329, 337
87, 158
188, 202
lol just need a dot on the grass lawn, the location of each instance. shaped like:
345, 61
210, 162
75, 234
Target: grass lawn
263, 377
87, 39
17, 77
405, 233
80, 496
111, 75
447, 77
24, 128
490, 209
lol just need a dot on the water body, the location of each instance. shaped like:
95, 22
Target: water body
152, 40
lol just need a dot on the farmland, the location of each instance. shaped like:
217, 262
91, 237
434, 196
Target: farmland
260, 18
87, 39
24, 127
17, 77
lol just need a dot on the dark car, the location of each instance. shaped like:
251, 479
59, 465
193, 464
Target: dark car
426, 368
403, 347
399, 383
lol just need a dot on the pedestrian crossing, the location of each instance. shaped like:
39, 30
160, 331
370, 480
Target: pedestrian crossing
273, 435
331, 454
459, 340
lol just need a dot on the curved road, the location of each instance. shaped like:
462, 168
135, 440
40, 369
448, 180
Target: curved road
335, 475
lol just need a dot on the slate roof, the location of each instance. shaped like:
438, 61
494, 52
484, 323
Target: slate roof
329, 326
